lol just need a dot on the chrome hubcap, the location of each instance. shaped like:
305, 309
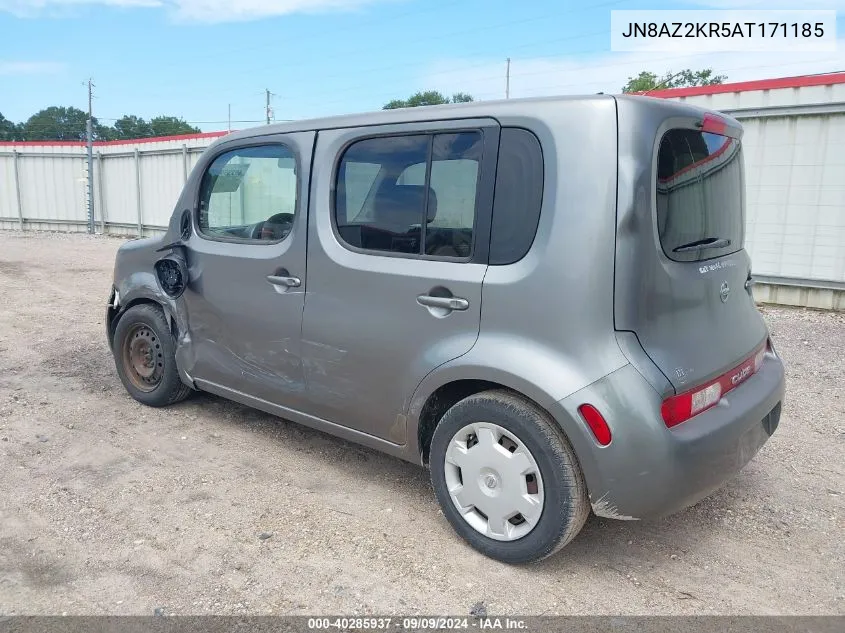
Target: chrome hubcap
494, 481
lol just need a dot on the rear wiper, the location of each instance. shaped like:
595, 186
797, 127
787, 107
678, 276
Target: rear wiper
707, 242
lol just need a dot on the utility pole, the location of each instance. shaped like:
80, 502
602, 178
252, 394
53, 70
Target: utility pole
267, 105
89, 129
508, 80
230, 117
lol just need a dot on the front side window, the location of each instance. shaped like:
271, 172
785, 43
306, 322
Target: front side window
413, 194
700, 201
250, 193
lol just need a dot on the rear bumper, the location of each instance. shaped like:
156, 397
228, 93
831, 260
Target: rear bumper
648, 470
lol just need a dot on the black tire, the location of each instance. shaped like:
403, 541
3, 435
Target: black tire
566, 505
163, 387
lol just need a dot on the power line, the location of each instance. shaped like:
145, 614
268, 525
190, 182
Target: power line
405, 42
306, 67
381, 20
717, 71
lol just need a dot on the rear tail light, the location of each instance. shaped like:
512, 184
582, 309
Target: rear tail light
596, 422
683, 406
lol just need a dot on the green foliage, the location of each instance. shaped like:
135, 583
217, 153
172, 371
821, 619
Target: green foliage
131, 126
646, 81
170, 126
68, 124
8, 130
462, 97
56, 124
428, 97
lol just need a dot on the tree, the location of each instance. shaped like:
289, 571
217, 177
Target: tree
56, 124
429, 97
69, 124
9, 131
130, 127
646, 81
170, 126
462, 97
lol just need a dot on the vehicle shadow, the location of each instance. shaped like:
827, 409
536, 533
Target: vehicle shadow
602, 541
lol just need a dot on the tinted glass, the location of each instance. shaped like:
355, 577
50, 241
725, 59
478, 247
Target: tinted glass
519, 195
372, 209
454, 182
249, 193
383, 200
700, 196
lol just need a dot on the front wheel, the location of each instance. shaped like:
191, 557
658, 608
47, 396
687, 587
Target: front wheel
507, 478
144, 354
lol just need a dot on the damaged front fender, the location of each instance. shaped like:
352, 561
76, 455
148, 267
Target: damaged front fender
136, 281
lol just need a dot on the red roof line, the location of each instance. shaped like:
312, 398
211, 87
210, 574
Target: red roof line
759, 84
154, 139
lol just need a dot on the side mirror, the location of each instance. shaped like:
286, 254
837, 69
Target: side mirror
172, 275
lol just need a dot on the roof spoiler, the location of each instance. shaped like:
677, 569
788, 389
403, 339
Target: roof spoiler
718, 124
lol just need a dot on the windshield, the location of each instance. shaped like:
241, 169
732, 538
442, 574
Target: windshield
700, 210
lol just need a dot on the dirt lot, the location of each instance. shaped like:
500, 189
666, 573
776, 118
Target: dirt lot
108, 507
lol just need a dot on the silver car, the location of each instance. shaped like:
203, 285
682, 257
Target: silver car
545, 301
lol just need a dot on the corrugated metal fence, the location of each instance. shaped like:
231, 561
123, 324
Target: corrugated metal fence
136, 184
794, 148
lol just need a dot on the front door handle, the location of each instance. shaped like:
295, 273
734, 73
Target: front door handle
446, 303
287, 282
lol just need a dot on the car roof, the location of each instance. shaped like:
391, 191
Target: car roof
471, 110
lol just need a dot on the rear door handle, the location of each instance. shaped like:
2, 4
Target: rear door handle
287, 282
447, 303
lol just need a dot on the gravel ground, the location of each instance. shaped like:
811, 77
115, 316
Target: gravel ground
109, 507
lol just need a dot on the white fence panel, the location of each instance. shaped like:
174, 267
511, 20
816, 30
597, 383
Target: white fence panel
796, 196
8, 192
162, 180
55, 187
120, 192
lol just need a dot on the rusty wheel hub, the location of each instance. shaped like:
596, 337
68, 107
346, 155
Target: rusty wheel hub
143, 360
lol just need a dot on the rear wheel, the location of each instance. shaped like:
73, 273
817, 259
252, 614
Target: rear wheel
507, 478
144, 354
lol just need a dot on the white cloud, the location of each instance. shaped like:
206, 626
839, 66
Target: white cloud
29, 68
193, 10
608, 72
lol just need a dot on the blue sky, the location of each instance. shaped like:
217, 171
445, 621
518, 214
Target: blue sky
192, 58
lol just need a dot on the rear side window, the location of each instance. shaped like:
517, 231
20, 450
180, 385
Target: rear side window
700, 195
412, 194
519, 195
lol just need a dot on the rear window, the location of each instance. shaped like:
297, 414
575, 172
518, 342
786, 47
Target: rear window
700, 195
